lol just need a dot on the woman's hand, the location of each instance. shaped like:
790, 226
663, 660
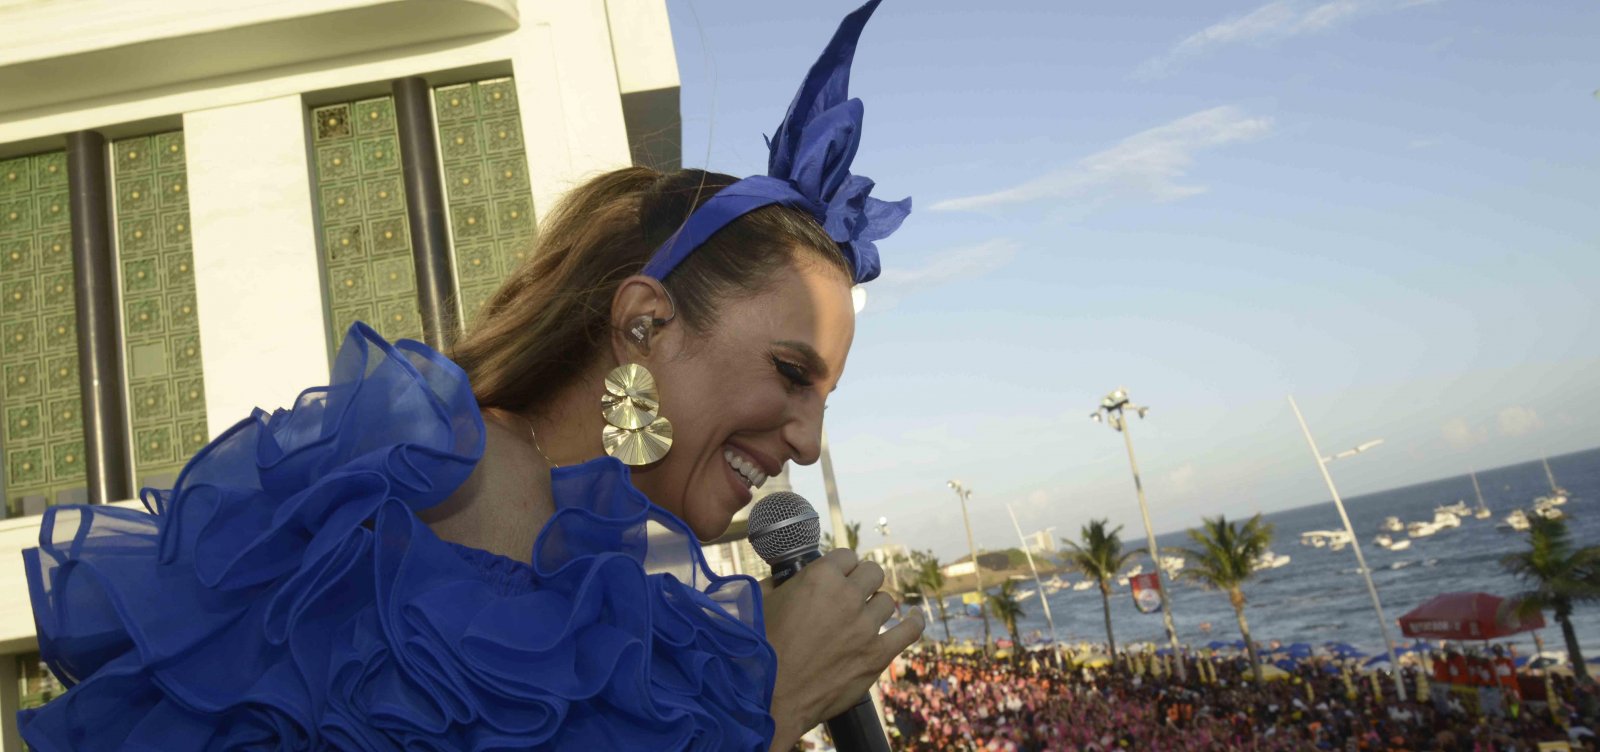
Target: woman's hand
824, 625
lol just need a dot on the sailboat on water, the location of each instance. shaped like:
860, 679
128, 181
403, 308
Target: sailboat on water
1558, 495
1545, 506
1482, 512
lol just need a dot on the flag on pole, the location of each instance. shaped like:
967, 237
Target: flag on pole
1146, 592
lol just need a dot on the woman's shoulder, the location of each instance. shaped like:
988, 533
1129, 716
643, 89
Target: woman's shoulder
286, 592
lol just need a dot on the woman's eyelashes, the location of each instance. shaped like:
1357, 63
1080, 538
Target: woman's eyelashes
791, 372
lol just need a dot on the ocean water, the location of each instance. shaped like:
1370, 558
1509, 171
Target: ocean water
1320, 596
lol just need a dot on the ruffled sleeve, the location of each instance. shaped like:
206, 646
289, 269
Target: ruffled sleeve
285, 595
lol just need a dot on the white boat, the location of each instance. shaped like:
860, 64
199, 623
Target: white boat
1337, 539
1054, 585
1558, 495
1482, 512
1546, 509
1172, 565
1270, 560
1443, 517
1393, 525
1135, 572
1023, 595
1459, 509
1517, 520
1082, 586
1421, 529
1388, 542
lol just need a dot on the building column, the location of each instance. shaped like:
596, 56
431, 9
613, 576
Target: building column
109, 462
425, 210
263, 320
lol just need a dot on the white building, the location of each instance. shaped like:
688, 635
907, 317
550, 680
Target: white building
235, 182
1041, 543
961, 568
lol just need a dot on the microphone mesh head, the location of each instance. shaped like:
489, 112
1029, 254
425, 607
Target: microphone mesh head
783, 524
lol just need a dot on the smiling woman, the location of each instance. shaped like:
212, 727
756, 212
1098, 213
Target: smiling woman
497, 549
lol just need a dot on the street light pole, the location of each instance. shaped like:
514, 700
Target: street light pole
858, 299
831, 488
1111, 410
1036, 582
1355, 542
963, 494
894, 565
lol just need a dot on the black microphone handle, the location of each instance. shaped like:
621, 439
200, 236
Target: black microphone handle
856, 729
791, 566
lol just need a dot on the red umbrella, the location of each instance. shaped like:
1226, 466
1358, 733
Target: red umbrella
1467, 616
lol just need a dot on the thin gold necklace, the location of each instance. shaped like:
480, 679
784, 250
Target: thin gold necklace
535, 436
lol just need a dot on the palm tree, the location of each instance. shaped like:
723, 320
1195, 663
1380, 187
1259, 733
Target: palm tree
1099, 557
1005, 606
1225, 560
931, 579
1560, 575
852, 537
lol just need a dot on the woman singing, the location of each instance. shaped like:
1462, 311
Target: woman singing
497, 549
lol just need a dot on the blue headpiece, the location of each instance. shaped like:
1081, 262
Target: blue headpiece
809, 169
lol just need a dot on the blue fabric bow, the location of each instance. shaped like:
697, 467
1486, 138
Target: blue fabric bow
808, 169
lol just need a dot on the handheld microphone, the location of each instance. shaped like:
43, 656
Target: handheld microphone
785, 533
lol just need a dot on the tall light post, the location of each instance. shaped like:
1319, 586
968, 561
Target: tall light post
963, 493
1355, 541
888, 552
1027, 552
1112, 412
858, 300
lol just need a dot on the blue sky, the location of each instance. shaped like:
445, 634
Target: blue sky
1385, 208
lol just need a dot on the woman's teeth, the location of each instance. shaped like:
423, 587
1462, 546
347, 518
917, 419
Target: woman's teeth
749, 472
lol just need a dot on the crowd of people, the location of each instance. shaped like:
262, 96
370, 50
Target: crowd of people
939, 700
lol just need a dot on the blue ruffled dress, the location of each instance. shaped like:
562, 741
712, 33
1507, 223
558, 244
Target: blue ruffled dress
285, 595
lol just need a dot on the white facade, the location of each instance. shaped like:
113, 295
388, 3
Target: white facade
241, 78
1042, 542
960, 569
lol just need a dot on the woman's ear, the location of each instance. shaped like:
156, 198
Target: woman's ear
641, 311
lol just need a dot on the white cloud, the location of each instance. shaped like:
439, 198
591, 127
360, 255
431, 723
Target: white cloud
1517, 421
1145, 165
1461, 434
952, 265
1275, 21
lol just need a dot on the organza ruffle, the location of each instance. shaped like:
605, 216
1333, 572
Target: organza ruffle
285, 595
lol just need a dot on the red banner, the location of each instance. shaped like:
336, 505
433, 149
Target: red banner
1146, 592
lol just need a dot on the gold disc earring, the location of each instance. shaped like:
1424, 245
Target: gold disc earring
635, 432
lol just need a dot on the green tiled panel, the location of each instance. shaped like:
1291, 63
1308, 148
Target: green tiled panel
161, 331
486, 180
40, 430
361, 193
